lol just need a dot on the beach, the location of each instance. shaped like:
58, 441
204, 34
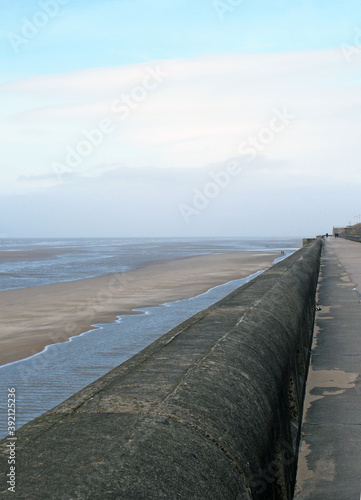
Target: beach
35, 317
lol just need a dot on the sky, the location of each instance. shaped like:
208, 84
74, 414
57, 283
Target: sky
183, 118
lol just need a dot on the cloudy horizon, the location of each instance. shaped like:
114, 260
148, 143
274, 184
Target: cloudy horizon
222, 119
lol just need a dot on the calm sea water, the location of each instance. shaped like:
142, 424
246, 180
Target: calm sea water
48, 378
33, 262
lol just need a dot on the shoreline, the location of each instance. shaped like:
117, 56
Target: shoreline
34, 318
148, 310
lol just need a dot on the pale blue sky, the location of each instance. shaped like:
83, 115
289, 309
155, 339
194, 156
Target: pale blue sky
89, 34
227, 72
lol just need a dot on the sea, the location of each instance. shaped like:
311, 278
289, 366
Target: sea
44, 380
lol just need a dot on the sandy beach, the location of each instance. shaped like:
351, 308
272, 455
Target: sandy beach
35, 317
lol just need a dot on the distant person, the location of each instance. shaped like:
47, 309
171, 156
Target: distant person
326, 235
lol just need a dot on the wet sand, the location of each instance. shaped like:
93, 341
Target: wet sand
35, 317
33, 254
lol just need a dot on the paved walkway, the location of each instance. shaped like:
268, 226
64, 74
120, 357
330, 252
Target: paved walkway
330, 458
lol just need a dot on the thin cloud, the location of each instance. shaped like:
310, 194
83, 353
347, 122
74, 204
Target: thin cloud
200, 113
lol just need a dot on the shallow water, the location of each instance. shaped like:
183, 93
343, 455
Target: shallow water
34, 262
46, 379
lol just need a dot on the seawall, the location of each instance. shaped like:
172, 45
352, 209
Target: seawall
211, 410
352, 233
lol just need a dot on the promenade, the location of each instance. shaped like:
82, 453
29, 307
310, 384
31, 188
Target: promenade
330, 458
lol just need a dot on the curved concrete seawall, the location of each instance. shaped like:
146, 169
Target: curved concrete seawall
211, 410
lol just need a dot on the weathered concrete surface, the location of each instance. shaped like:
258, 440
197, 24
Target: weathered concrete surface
330, 458
211, 410
307, 241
